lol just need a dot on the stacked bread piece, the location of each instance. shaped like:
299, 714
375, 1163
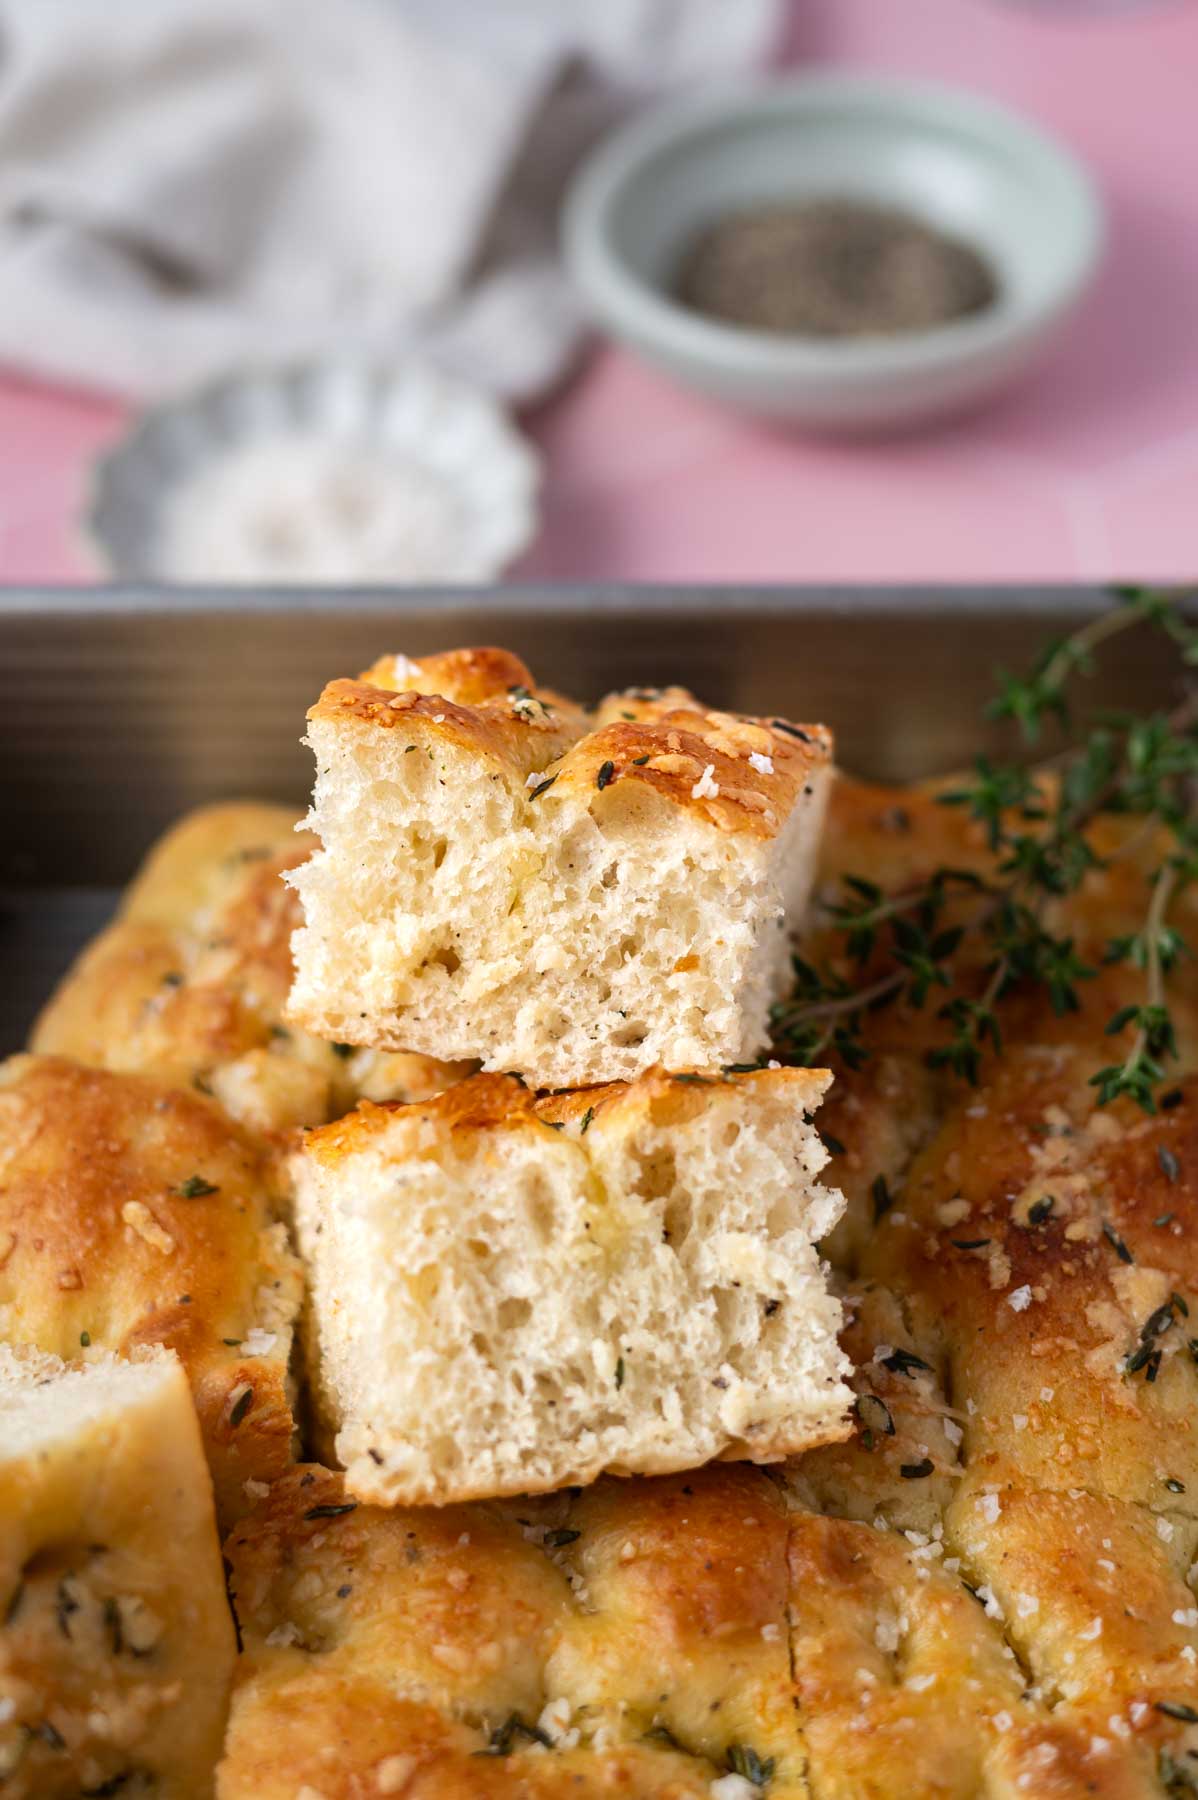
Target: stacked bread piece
574, 898
511, 1294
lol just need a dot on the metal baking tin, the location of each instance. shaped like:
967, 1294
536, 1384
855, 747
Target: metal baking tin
121, 708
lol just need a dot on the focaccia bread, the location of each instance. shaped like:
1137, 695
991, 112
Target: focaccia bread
134, 1214
190, 981
664, 1639
116, 1644
511, 1294
987, 1592
401, 1652
574, 900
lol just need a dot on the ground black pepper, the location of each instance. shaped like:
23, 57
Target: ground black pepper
832, 268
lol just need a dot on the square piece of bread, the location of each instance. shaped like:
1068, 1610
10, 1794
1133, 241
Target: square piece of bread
510, 1295
575, 897
132, 1214
116, 1642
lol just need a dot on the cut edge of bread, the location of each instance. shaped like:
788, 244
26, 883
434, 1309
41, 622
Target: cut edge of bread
512, 1295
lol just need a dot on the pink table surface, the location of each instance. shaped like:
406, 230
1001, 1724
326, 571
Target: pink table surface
1088, 471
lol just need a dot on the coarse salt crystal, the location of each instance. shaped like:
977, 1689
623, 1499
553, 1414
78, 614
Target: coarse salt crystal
1186, 1616
1026, 1605
1020, 1300
140, 1219
555, 1717
391, 1776
989, 1506
918, 1683
772, 1634
258, 1342
953, 1432
1093, 1630
1019, 1421
706, 788
1164, 1531
1046, 1394
764, 765
1003, 1721
733, 1787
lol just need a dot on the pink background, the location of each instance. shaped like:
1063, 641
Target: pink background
1090, 470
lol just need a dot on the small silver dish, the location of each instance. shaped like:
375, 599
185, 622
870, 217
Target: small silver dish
322, 428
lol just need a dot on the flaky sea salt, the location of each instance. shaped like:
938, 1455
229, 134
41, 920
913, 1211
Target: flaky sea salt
310, 507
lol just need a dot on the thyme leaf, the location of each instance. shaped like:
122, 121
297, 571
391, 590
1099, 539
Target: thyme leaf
903, 948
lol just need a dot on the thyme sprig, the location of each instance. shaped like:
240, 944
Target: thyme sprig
1035, 819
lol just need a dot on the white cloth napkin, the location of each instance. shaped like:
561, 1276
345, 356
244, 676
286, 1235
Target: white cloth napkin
192, 185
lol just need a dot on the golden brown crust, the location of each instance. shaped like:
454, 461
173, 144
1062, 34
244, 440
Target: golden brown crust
190, 982
660, 1633
112, 1596
643, 704
1028, 1241
504, 1102
1037, 1247
515, 737
468, 676
739, 774
135, 1214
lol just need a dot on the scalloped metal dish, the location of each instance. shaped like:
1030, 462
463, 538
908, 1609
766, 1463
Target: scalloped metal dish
458, 434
